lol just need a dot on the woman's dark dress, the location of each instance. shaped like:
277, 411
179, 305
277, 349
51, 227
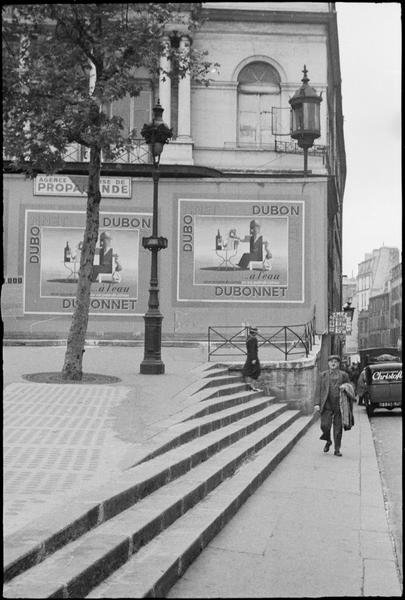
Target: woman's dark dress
250, 370
256, 252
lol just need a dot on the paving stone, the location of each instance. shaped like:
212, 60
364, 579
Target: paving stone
381, 578
91, 422
375, 544
154, 567
62, 449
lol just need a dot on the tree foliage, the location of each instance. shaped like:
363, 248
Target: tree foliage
63, 67
49, 51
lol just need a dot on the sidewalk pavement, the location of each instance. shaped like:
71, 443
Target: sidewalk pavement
316, 527
59, 438
322, 530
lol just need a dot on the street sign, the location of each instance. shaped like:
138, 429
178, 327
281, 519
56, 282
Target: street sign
338, 323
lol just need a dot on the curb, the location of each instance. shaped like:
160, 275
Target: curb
132, 343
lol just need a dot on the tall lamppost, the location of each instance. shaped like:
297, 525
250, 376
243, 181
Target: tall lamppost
305, 117
156, 135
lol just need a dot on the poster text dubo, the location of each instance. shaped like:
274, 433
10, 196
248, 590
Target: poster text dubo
240, 251
53, 244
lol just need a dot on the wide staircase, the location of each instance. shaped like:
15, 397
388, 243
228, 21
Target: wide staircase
160, 513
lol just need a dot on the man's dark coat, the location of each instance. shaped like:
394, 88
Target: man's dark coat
322, 389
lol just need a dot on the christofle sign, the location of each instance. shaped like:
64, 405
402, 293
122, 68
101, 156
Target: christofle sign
76, 185
395, 375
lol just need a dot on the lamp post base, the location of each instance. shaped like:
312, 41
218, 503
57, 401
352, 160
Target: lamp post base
152, 363
152, 367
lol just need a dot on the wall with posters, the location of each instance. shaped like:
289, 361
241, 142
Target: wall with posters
53, 242
233, 250
241, 250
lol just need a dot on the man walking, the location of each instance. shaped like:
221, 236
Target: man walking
327, 402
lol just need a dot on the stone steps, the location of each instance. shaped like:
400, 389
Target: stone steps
220, 402
221, 389
201, 424
26, 548
218, 380
193, 465
75, 569
152, 571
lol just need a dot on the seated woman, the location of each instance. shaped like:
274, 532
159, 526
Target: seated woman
256, 246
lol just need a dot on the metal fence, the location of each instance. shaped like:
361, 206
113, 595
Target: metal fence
289, 340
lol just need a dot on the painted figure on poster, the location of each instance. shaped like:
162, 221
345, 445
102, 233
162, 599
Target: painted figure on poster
226, 253
233, 239
230, 243
259, 250
108, 263
51, 282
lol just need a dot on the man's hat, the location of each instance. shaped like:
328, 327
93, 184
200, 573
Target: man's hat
336, 356
253, 330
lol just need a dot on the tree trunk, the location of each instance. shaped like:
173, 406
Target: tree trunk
72, 368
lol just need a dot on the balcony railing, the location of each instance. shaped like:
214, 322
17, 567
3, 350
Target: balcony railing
139, 154
293, 148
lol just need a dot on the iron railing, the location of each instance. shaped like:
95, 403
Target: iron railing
139, 154
292, 147
230, 341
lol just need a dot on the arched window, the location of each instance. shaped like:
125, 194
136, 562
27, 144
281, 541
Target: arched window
258, 93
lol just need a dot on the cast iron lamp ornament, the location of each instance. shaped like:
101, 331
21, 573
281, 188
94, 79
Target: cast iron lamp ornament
348, 309
156, 135
305, 117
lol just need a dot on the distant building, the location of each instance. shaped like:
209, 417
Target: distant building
378, 321
373, 273
379, 298
349, 287
362, 329
395, 302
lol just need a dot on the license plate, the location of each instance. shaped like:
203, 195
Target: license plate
386, 404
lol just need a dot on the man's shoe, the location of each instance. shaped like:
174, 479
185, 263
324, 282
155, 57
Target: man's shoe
327, 446
338, 453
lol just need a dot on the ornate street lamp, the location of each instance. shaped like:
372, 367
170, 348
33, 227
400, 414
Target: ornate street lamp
156, 135
305, 117
348, 310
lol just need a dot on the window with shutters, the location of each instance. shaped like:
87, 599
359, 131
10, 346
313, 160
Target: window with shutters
258, 93
133, 111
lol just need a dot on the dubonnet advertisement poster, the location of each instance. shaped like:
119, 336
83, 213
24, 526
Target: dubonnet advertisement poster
53, 243
238, 250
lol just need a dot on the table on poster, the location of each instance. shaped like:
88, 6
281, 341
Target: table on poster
226, 255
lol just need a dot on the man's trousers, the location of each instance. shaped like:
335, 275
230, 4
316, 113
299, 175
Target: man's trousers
331, 416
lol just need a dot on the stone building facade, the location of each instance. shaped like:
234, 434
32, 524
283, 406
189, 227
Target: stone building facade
231, 168
379, 298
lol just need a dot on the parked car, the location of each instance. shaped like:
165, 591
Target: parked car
380, 383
